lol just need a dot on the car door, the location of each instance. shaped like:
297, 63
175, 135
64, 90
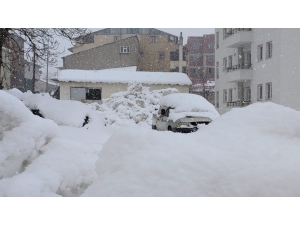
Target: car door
162, 119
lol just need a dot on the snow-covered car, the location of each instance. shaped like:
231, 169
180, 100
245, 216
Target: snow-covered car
183, 112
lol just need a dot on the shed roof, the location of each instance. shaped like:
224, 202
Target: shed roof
126, 75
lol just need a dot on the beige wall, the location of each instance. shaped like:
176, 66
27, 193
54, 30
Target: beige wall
149, 61
109, 89
105, 56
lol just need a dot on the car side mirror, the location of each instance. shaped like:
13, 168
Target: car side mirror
163, 112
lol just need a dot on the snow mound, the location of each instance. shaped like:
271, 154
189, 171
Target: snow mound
131, 107
62, 112
251, 151
22, 135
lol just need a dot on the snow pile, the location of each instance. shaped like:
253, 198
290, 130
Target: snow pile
62, 112
22, 135
252, 151
66, 167
124, 76
131, 107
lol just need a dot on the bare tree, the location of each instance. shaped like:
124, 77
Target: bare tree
37, 40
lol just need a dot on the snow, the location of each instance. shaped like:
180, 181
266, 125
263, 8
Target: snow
245, 152
250, 151
185, 104
120, 76
132, 107
63, 112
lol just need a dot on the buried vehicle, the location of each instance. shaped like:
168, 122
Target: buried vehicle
183, 112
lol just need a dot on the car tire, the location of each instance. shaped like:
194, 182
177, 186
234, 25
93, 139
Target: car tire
154, 127
170, 128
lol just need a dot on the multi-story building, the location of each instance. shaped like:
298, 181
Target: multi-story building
29, 75
147, 48
257, 65
13, 74
201, 65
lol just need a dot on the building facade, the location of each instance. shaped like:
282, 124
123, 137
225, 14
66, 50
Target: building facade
29, 75
201, 65
157, 50
14, 55
257, 65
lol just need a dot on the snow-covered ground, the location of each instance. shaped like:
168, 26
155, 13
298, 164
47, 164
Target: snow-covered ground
251, 151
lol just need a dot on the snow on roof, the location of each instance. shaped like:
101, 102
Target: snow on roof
120, 75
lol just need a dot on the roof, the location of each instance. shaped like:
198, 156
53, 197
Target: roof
124, 75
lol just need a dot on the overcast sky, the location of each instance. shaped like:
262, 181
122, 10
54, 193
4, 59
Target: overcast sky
186, 32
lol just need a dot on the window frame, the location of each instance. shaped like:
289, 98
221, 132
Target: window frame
269, 49
153, 39
230, 94
260, 52
122, 49
224, 63
87, 93
260, 92
217, 69
268, 90
117, 38
225, 96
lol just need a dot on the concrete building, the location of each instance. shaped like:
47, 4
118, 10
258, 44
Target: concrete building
201, 65
147, 48
257, 65
29, 75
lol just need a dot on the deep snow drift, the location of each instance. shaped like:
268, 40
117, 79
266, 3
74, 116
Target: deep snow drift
39, 158
252, 151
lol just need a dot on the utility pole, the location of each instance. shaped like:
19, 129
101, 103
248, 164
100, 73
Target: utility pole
33, 75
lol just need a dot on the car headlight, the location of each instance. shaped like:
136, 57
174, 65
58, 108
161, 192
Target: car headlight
179, 124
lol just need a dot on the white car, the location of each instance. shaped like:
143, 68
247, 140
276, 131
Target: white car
183, 112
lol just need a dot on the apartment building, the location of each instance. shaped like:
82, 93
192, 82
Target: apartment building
201, 65
12, 76
157, 50
257, 65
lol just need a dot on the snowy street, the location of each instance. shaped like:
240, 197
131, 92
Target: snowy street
245, 152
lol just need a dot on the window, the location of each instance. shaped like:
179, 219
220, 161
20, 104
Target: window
196, 46
247, 94
217, 99
92, 94
259, 92
211, 70
230, 95
116, 38
161, 55
259, 52
29, 68
153, 39
125, 49
211, 58
217, 39
269, 50
195, 58
224, 96
217, 67
211, 45
195, 70
268, 91
224, 63
230, 61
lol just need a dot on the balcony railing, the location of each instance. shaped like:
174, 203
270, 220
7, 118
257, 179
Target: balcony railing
238, 103
238, 67
235, 30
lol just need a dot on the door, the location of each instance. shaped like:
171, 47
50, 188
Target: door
77, 93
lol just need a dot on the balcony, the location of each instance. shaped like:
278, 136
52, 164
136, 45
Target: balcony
238, 103
239, 73
238, 37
